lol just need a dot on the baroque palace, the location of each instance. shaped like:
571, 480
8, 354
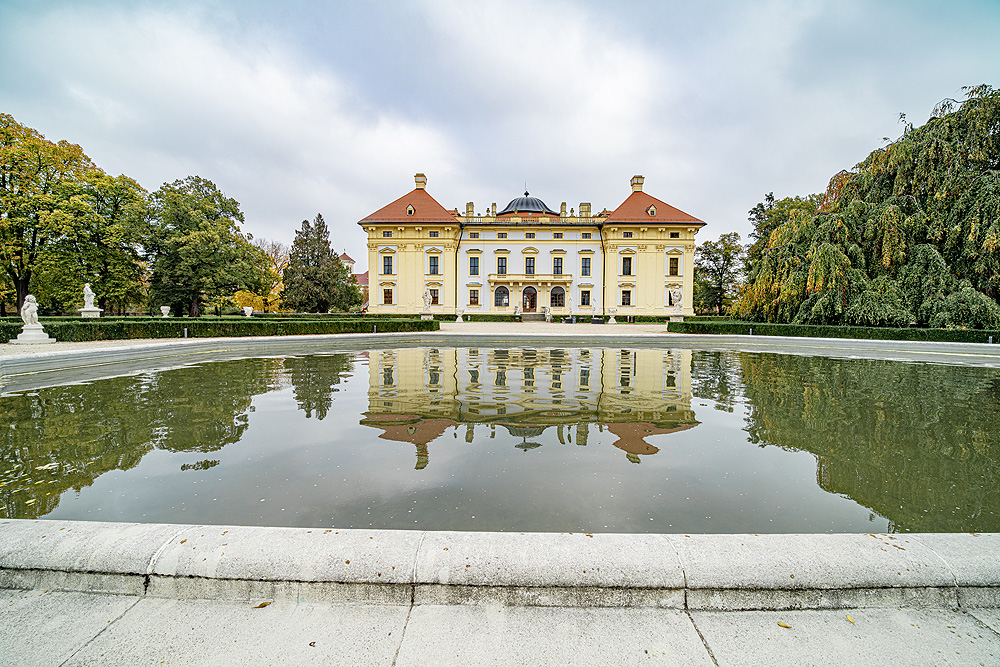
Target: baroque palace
527, 258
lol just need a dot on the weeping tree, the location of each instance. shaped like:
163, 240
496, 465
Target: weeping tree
909, 236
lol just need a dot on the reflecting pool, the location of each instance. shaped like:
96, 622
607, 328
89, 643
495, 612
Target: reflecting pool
517, 439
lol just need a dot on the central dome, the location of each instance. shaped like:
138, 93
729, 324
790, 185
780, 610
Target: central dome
527, 204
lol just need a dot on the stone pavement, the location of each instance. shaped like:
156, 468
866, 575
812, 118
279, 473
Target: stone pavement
83, 593
48, 628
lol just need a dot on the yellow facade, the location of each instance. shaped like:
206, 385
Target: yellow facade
618, 263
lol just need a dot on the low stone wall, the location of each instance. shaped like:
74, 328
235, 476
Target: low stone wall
695, 572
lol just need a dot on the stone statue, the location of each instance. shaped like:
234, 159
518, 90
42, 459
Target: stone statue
29, 311
427, 299
32, 332
677, 298
548, 313
613, 312
165, 310
570, 302
517, 309
459, 312
88, 296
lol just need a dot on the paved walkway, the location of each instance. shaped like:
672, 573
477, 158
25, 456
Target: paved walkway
61, 629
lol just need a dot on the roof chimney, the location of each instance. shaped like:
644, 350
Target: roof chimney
421, 181
470, 209
562, 210
637, 183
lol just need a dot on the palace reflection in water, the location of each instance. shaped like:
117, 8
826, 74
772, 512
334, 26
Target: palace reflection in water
515, 439
414, 395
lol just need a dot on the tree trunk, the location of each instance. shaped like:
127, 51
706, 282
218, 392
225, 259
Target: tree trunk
21, 285
193, 309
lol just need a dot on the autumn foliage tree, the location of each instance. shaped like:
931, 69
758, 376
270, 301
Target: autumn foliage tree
910, 236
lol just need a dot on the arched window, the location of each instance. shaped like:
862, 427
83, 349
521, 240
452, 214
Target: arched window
557, 298
501, 297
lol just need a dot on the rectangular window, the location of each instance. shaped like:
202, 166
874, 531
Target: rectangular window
585, 266
529, 235
473, 266
585, 235
626, 266
434, 235
557, 266
529, 266
557, 235
387, 234
434, 297
585, 297
387, 297
473, 297
502, 265
626, 235
501, 235
432, 265
387, 264
675, 266
626, 297
473, 235
675, 235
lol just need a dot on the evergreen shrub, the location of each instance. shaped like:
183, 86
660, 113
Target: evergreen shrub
203, 327
741, 328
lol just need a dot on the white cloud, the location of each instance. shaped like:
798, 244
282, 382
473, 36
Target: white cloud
160, 96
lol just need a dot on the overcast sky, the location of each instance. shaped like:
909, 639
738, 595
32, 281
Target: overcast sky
299, 107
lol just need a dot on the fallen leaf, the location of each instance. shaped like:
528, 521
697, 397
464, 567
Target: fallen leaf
850, 619
783, 624
262, 605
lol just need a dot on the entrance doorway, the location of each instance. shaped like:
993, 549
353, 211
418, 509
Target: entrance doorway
530, 299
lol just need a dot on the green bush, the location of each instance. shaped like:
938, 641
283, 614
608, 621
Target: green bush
208, 327
740, 328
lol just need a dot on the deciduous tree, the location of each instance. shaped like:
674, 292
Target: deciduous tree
718, 271
198, 253
39, 202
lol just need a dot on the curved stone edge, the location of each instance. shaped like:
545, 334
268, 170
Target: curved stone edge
695, 572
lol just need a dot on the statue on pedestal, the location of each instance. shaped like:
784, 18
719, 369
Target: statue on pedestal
89, 309
32, 332
427, 300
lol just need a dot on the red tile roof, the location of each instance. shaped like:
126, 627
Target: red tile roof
425, 209
634, 209
344, 257
362, 278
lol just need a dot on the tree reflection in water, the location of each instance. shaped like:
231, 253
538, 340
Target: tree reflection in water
917, 444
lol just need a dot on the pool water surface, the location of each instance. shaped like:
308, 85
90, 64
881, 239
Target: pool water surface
517, 439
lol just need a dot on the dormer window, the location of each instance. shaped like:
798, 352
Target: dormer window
651, 211
410, 210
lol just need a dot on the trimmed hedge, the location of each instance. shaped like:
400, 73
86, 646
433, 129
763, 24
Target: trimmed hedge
173, 327
739, 328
